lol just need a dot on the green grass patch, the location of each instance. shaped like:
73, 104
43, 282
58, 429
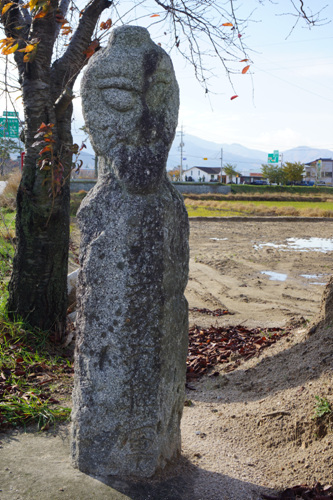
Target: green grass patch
209, 212
7, 249
299, 205
75, 202
33, 374
307, 190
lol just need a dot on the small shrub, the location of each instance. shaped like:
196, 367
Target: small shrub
322, 407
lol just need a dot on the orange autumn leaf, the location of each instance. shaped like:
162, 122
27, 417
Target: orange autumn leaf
227, 24
243, 60
6, 7
66, 30
245, 70
45, 150
106, 25
6, 41
155, 15
9, 50
41, 14
28, 48
91, 49
233, 97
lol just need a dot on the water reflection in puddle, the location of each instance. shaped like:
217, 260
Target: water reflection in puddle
315, 276
275, 276
301, 245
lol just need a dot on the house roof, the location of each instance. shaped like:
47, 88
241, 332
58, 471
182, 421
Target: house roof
207, 170
318, 159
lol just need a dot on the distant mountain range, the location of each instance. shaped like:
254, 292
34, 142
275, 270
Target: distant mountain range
245, 159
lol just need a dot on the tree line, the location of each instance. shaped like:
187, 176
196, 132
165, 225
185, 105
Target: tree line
288, 172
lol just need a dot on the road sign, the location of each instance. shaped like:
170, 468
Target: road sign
10, 113
9, 127
273, 158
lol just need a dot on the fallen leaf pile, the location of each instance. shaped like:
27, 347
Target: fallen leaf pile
208, 347
304, 492
215, 312
28, 376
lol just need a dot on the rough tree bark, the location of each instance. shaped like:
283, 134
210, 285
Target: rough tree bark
38, 285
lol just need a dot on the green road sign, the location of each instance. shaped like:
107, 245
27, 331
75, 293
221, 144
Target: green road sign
9, 127
273, 158
10, 113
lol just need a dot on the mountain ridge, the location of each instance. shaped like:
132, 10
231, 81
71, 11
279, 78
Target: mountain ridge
245, 160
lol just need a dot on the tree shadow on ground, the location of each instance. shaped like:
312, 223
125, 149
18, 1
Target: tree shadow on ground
302, 362
185, 481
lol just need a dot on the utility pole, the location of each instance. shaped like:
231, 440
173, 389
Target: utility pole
181, 145
96, 166
221, 163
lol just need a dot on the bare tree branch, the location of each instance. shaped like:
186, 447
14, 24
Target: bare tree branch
65, 69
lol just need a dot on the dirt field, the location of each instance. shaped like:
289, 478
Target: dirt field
244, 432
228, 262
254, 427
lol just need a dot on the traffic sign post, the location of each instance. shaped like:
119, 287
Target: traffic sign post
273, 158
9, 124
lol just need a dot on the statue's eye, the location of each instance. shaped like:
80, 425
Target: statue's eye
119, 99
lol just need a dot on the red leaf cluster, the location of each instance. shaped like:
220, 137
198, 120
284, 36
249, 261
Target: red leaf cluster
209, 347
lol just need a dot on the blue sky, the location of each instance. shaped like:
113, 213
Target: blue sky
286, 98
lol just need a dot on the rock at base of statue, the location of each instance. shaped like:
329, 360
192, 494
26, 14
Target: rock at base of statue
132, 321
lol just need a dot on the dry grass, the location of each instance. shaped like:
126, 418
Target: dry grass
320, 197
251, 208
8, 196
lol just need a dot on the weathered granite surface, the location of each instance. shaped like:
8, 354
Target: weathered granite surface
132, 317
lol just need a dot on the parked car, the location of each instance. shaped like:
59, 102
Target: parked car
259, 182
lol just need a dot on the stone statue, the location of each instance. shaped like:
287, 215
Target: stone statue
132, 323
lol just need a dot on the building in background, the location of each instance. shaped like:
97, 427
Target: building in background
253, 178
319, 171
203, 174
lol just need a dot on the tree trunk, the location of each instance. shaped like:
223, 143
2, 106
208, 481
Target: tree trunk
38, 285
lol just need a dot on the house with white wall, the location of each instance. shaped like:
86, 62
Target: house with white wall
319, 171
202, 174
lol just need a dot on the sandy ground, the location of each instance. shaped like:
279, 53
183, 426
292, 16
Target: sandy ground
228, 260
243, 432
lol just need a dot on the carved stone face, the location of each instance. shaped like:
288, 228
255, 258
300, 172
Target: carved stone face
130, 101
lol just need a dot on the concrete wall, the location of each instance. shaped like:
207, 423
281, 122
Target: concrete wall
87, 184
82, 184
201, 188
